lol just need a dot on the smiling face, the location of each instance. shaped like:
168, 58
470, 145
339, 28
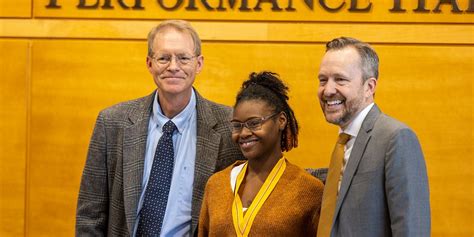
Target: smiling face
173, 78
342, 91
265, 142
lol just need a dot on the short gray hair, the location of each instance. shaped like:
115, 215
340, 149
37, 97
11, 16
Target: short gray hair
369, 59
179, 25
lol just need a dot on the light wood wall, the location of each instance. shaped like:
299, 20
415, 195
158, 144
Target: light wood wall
58, 71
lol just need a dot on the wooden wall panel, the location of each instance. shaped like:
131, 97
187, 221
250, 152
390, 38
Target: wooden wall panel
419, 85
72, 81
424, 86
60, 67
78, 78
16, 9
222, 84
397, 33
14, 72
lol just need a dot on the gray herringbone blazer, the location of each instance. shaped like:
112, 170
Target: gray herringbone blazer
112, 177
384, 189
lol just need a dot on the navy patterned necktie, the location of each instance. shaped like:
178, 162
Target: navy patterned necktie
158, 188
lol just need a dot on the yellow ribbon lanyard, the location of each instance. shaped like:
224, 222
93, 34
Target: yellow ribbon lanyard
243, 223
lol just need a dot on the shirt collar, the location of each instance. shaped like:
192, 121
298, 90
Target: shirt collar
354, 127
180, 120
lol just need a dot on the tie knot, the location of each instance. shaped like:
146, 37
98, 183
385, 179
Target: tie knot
169, 127
343, 138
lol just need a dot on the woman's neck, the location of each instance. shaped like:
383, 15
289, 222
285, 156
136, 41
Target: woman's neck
263, 167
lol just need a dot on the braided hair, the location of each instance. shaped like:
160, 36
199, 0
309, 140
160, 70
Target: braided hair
268, 86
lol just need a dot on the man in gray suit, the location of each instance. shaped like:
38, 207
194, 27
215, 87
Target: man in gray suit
121, 161
383, 185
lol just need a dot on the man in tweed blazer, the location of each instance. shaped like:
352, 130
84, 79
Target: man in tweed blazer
114, 176
383, 185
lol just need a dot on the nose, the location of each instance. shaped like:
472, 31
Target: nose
329, 88
245, 132
173, 65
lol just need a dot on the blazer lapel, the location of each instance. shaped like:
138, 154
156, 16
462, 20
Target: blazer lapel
207, 150
358, 150
134, 146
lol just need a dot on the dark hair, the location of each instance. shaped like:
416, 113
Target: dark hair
368, 57
267, 86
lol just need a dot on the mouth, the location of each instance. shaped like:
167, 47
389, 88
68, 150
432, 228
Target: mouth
333, 105
246, 144
334, 102
173, 78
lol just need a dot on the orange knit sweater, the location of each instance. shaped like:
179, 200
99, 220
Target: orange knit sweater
292, 209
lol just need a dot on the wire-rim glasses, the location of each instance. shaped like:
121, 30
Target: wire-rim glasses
181, 59
253, 124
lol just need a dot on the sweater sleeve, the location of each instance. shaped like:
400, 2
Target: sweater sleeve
315, 221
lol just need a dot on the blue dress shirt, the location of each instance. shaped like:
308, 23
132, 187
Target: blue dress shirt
177, 220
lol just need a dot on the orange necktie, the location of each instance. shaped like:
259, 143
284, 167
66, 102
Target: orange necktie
328, 205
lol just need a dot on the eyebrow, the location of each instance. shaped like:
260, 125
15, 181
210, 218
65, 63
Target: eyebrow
176, 53
254, 117
332, 75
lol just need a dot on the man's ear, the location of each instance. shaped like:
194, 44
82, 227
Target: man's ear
370, 86
200, 63
149, 64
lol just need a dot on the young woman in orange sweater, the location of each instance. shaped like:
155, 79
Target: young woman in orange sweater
265, 195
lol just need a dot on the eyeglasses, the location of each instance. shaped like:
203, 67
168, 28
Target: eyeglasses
180, 59
253, 124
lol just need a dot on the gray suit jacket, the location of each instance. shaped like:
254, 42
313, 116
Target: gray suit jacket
384, 190
111, 181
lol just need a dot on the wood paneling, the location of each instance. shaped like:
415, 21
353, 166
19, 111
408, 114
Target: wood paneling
78, 78
16, 9
379, 12
60, 67
425, 87
72, 82
14, 71
245, 31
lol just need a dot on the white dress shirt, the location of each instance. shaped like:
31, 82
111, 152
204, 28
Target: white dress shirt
352, 129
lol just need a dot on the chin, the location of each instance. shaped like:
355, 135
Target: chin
332, 117
332, 121
175, 89
249, 155
246, 153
